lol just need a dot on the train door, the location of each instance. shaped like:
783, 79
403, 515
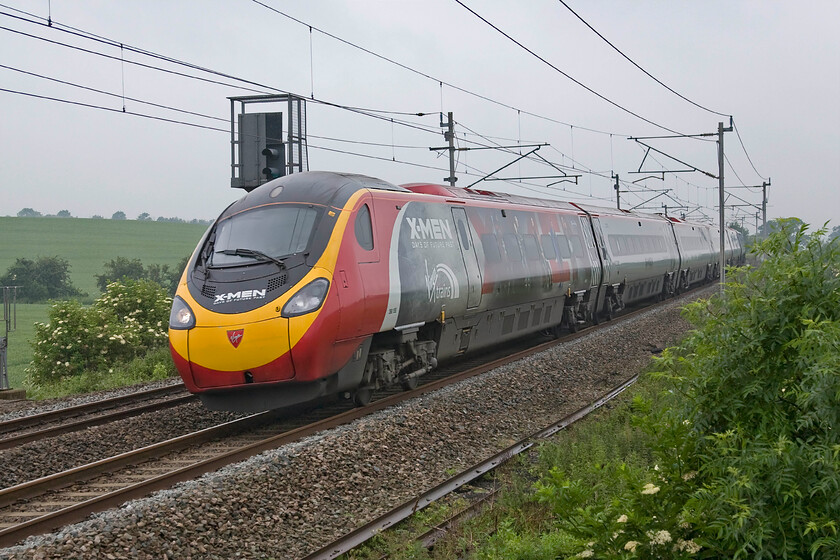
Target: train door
606, 260
469, 256
592, 250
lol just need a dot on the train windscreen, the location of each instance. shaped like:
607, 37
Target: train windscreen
275, 232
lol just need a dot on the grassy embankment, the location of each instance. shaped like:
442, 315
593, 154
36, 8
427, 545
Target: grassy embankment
87, 245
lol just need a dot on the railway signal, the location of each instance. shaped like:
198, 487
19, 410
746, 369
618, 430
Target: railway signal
275, 161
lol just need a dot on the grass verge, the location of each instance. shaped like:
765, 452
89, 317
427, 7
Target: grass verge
155, 365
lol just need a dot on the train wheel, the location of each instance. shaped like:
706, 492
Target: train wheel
361, 396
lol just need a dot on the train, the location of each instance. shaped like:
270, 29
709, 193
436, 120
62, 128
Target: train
321, 283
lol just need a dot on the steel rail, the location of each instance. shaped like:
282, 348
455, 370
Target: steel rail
410, 507
14, 441
80, 511
28, 421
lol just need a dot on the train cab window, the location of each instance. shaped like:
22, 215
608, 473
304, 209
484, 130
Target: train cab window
491, 247
532, 248
548, 247
364, 228
511, 245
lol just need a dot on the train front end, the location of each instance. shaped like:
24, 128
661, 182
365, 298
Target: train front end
250, 327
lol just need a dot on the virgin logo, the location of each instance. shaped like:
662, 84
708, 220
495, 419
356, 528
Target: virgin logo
235, 337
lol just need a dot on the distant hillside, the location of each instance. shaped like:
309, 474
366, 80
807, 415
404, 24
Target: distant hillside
87, 243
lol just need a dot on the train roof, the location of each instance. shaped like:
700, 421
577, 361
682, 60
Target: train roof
325, 188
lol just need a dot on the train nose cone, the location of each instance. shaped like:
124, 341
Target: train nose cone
224, 355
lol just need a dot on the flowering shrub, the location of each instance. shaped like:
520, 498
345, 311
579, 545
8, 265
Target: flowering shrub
747, 438
126, 321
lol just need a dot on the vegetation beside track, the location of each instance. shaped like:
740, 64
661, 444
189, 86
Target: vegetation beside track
729, 448
89, 246
118, 338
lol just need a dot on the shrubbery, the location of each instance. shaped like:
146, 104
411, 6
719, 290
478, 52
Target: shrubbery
122, 268
128, 320
745, 440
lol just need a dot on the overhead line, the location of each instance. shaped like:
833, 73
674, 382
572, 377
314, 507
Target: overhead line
738, 134
110, 42
113, 110
549, 64
651, 76
428, 76
112, 94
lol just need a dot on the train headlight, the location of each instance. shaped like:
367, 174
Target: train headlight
308, 299
181, 316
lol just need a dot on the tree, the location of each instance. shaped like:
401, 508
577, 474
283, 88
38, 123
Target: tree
118, 215
64, 214
776, 225
120, 268
742, 232
28, 213
835, 232
96, 217
144, 217
42, 279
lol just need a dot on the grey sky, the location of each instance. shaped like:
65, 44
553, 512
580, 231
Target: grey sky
775, 66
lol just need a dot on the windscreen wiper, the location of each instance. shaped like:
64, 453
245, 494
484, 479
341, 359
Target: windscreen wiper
254, 254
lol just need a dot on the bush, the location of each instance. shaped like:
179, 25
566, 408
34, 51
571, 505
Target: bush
40, 280
746, 439
127, 320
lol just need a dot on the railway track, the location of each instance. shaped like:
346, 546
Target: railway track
33, 427
48, 503
408, 508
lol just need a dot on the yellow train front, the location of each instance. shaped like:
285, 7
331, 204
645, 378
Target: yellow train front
255, 320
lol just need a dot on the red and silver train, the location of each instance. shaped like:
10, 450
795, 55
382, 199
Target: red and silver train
321, 283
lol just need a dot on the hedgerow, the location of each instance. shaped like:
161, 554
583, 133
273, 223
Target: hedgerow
745, 438
126, 321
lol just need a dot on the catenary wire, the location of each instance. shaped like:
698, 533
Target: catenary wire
428, 76
552, 66
651, 76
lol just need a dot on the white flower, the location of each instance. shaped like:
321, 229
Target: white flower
586, 554
689, 475
659, 537
66, 364
622, 519
688, 546
650, 489
631, 545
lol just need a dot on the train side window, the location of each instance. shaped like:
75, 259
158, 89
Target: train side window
548, 247
465, 239
614, 245
491, 247
532, 248
364, 228
563, 246
511, 245
577, 245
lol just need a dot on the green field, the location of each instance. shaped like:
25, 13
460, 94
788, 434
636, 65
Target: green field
87, 244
